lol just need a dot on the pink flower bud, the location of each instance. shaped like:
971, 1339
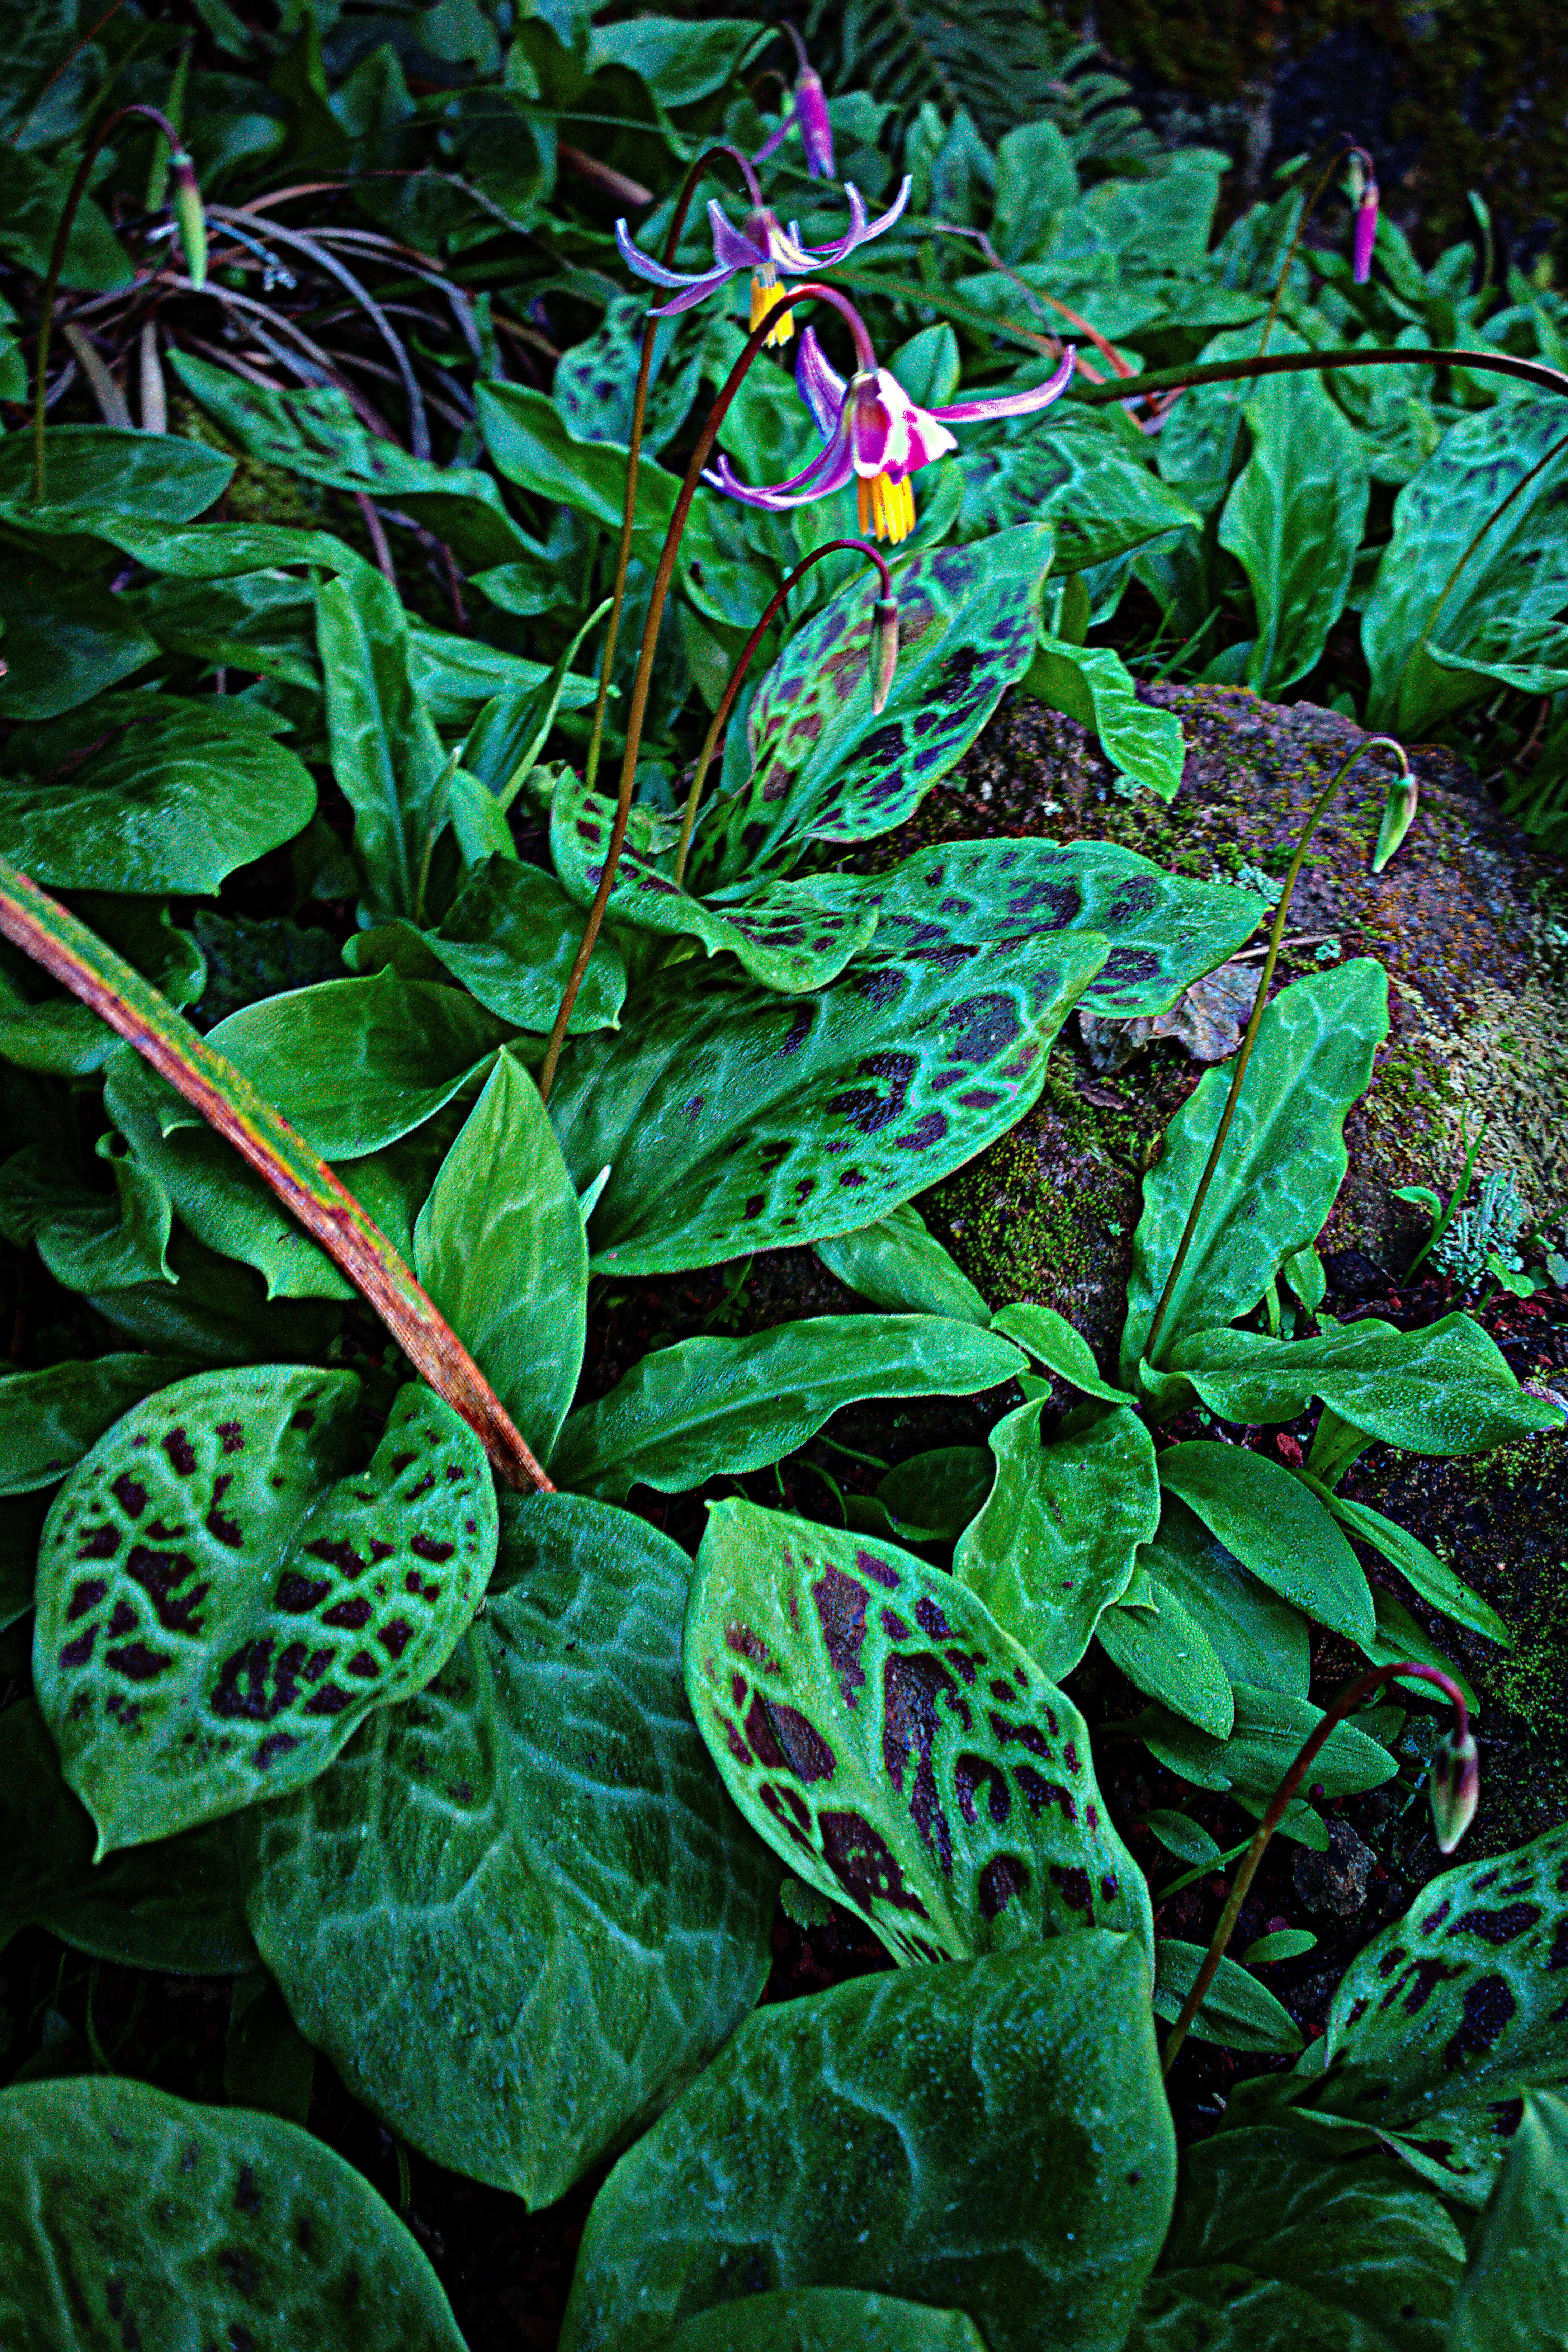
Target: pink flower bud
1453, 1787
816, 129
191, 221
1363, 194
884, 649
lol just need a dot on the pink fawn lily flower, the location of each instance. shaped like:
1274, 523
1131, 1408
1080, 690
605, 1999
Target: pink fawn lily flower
764, 248
877, 436
1363, 193
808, 114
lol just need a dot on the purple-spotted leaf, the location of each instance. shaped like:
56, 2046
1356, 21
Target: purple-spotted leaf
825, 766
1164, 930
786, 938
223, 1595
877, 1725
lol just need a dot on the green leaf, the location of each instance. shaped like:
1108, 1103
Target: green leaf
1051, 1340
1513, 2296
1274, 2249
33, 192
454, 678
825, 2319
894, 1744
1442, 2020
1432, 1578
88, 1239
707, 1407
532, 446
1164, 930
1283, 1163
569, 1917
1093, 685
176, 799
1183, 1837
1054, 1545
1102, 498
259, 621
786, 938
354, 1064
1446, 1389
1274, 1526
53, 1417
1258, 1638
1237, 2010
999, 2144
386, 755
898, 1265
1284, 1944
825, 766
99, 471
510, 936
46, 1029
172, 1906
1163, 1649
680, 61
1294, 521
67, 638
501, 1248
934, 1496
315, 433
734, 1119
1304, 1272
1267, 1733
1459, 574
208, 1596
174, 2221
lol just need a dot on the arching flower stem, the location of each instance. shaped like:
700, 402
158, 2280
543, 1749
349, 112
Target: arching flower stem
1238, 1075
1355, 1694
710, 157
637, 708
885, 614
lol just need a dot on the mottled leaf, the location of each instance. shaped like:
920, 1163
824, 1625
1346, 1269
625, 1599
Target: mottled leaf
1294, 521
1054, 1545
499, 1248
50, 1419
1274, 2249
900, 1751
825, 2319
1275, 1526
222, 1596
173, 1905
532, 446
1074, 472
510, 936
1093, 685
181, 2224
175, 798
785, 937
707, 1407
68, 638
1283, 1163
825, 766
1236, 2010
387, 758
934, 1496
898, 1265
989, 2136
518, 1912
1513, 2296
99, 470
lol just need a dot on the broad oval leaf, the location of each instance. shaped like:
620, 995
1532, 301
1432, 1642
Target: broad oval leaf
50, 1419
902, 1268
1294, 521
499, 1248
1275, 1526
1093, 685
97, 469
1236, 2011
509, 936
1446, 1388
825, 2319
1275, 2248
1162, 1645
518, 1912
1514, 2293
1283, 1163
173, 1905
1258, 1638
989, 2136
900, 1751
710, 1406
1103, 500
1053, 1341
1432, 1578
179, 2224
1268, 1732
1055, 1544
222, 1597
176, 799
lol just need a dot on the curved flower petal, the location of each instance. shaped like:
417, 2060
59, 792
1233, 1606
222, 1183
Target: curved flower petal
1012, 404
827, 472
819, 384
734, 248
697, 290
860, 230
644, 266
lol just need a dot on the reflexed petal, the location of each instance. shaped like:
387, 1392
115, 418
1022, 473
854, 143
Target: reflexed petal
736, 248
860, 231
654, 271
1012, 404
697, 290
819, 384
828, 471
786, 251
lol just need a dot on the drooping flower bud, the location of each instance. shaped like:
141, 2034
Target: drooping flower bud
1363, 191
816, 129
1454, 1786
884, 649
1398, 814
190, 219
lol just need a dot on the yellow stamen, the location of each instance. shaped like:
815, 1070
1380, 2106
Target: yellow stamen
767, 296
885, 507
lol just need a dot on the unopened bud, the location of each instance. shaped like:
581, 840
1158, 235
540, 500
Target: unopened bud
1364, 193
1398, 814
816, 129
189, 218
884, 649
1453, 1785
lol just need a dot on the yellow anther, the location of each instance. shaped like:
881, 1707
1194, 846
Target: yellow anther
886, 508
767, 298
